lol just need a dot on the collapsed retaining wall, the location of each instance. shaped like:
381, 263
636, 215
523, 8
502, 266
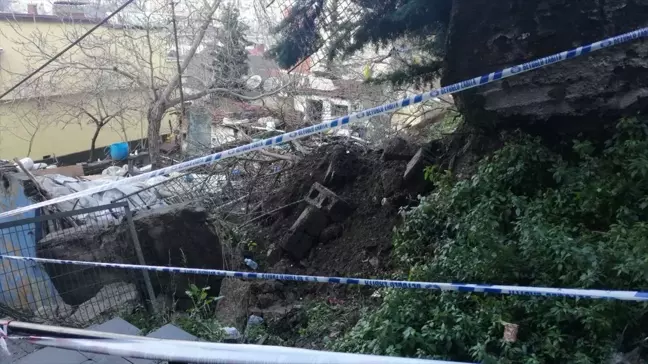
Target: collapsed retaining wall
178, 235
486, 36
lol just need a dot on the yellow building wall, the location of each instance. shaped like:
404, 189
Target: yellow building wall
39, 128
36, 129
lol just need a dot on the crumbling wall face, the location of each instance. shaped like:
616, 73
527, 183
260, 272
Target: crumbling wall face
179, 236
486, 36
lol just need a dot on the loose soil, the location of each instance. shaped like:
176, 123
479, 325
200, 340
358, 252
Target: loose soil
358, 247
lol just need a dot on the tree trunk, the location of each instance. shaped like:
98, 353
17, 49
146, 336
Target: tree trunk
154, 118
93, 143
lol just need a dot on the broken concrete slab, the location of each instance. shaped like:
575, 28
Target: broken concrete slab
119, 296
298, 244
414, 176
326, 200
415, 167
54, 311
232, 309
178, 235
311, 221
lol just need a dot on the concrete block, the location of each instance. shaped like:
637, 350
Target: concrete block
311, 221
326, 200
298, 244
414, 168
414, 177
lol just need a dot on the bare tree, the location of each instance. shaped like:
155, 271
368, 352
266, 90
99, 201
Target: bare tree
137, 51
98, 109
26, 123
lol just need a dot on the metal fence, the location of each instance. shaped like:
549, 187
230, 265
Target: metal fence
68, 294
213, 186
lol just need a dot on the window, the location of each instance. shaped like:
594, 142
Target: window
339, 110
314, 109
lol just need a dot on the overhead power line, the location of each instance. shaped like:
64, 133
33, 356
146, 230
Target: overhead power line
33, 73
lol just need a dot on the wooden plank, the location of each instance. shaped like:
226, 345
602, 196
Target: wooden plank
69, 171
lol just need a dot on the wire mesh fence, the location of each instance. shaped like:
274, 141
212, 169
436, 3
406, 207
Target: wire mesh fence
69, 294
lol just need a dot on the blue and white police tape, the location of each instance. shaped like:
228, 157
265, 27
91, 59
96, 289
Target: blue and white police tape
460, 287
216, 353
362, 115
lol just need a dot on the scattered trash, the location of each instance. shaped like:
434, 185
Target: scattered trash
510, 332
115, 171
374, 262
28, 163
251, 263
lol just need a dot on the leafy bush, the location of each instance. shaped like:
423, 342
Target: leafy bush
199, 320
527, 217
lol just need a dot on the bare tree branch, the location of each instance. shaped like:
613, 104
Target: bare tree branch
173, 83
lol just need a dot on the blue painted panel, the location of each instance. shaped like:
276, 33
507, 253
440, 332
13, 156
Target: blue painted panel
23, 285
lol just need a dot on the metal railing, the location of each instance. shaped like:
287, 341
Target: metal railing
68, 294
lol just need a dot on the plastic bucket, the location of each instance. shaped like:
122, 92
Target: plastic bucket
119, 151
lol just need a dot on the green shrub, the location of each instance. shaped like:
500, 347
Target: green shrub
527, 217
200, 319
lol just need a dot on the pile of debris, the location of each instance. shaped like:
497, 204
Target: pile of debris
333, 216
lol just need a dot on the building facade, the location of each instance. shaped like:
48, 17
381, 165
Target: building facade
49, 115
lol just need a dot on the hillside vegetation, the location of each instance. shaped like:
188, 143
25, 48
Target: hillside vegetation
528, 216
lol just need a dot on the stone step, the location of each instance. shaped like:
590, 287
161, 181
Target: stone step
62, 356
171, 332
20, 349
117, 326
167, 331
